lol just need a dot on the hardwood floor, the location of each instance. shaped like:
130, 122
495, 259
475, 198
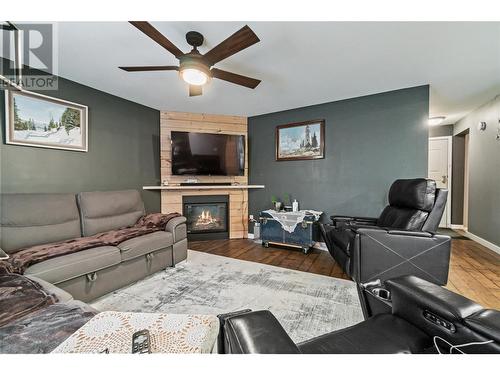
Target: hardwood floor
474, 269
475, 272
316, 261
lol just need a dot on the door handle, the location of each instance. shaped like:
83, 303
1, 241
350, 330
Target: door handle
444, 179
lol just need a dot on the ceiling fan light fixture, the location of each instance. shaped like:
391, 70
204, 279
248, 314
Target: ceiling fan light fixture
194, 76
197, 69
193, 69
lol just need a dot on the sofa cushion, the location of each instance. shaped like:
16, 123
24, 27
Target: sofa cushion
146, 244
34, 219
486, 322
66, 267
402, 218
381, 334
102, 211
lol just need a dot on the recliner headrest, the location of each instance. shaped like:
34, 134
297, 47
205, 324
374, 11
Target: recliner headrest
416, 193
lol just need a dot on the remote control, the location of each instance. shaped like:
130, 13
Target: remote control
141, 343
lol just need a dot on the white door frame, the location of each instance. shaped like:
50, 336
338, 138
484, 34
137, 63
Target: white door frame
449, 138
465, 218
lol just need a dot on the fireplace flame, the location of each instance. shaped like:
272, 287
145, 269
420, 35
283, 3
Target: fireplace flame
205, 218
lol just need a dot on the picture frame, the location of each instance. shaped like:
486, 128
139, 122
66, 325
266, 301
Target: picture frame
300, 141
38, 120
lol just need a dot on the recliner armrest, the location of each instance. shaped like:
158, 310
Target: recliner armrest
411, 296
353, 220
381, 253
396, 232
177, 226
409, 233
368, 229
257, 332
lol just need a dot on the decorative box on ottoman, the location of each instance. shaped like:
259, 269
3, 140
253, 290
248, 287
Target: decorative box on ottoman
169, 333
288, 228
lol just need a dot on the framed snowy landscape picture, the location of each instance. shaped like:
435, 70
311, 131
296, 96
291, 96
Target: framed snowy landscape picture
301, 141
42, 121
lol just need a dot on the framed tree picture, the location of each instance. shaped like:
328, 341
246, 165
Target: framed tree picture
42, 121
301, 141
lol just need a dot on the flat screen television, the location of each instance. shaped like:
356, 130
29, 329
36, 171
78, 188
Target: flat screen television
203, 154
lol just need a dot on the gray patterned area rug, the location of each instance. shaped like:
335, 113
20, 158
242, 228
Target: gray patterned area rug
307, 305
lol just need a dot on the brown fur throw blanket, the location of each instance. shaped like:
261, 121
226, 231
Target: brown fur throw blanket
24, 258
43, 330
5, 267
20, 296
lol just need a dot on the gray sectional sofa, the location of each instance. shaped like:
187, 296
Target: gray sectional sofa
33, 219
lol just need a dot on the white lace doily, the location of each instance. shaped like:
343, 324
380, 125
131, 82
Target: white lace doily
289, 220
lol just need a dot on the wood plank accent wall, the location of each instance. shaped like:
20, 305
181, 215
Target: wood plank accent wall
205, 123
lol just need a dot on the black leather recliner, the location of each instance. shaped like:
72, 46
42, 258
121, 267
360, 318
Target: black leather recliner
425, 318
402, 241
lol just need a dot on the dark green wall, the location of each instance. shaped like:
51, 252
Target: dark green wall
123, 150
370, 142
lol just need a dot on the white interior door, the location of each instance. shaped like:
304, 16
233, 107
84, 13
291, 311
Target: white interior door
440, 170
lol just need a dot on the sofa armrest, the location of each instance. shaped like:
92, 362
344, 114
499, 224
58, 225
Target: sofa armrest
257, 332
177, 226
61, 295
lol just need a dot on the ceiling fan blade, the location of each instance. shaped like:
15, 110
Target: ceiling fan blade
240, 40
235, 78
158, 37
148, 68
195, 90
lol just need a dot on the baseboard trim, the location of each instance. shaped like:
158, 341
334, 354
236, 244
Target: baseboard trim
483, 242
457, 226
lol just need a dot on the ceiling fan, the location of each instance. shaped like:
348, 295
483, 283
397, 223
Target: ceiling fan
197, 69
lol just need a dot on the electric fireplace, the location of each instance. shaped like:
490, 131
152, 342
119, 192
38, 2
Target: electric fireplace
207, 216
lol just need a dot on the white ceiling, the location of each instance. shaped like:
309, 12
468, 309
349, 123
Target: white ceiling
299, 63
